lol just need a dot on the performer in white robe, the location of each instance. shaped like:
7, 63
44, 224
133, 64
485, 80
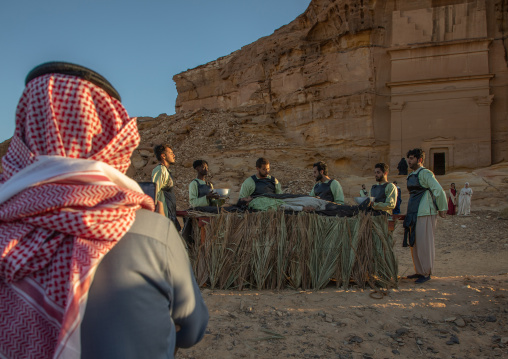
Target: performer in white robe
465, 200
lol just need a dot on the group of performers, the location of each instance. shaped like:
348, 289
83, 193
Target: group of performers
459, 203
261, 191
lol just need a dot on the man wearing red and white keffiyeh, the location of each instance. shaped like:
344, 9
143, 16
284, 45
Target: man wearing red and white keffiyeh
64, 203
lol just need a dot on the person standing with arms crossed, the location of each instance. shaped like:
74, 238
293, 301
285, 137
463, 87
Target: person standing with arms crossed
427, 199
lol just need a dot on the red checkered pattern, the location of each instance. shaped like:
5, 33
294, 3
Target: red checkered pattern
53, 236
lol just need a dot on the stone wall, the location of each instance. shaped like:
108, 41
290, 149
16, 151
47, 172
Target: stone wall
362, 81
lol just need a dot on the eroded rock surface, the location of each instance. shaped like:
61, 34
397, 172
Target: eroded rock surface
357, 81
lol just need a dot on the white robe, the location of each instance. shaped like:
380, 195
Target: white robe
465, 201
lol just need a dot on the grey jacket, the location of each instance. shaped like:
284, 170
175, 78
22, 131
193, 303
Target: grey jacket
142, 288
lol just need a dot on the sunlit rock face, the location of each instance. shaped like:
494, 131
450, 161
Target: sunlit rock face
360, 82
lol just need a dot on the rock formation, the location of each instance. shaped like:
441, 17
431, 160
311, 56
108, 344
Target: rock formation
362, 81
353, 83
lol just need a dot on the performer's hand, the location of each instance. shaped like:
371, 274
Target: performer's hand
308, 209
442, 214
212, 195
246, 199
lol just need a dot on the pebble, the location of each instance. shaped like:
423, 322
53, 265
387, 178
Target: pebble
355, 339
370, 334
504, 340
329, 318
461, 323
451, 319
359, 314
491, 318
321, 313
453, 340
279, 313
233, 315
419, 342
498, 352
395, 351
401, 331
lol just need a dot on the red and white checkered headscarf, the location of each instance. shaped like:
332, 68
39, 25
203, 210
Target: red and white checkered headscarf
53, 235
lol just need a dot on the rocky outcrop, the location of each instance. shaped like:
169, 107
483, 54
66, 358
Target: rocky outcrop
325, 81
311, 79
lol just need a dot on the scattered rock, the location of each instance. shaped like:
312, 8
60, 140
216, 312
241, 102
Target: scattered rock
504, 340
419, 342
355, 339
453, 340
460, 322
491, 319
434, 351
328, 318
145, 153
401, 331
138, 161
451, 319
395, 351
498, 352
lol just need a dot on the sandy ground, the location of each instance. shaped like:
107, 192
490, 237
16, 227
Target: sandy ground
461, 313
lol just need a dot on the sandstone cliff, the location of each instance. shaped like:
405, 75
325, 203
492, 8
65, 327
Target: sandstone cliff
322, 88
330, 82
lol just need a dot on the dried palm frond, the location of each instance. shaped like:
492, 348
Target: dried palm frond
268, 250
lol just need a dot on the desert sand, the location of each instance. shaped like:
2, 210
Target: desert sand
461, 313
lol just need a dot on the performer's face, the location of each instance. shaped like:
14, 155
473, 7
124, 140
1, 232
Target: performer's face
263, 171
379, 175
203, 169
412, 162
318, 175
168, 155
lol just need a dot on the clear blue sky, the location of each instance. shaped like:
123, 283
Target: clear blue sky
137, 45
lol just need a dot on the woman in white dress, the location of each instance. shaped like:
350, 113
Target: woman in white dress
465, 200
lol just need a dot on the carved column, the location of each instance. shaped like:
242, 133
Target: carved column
396, 150
484, 129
